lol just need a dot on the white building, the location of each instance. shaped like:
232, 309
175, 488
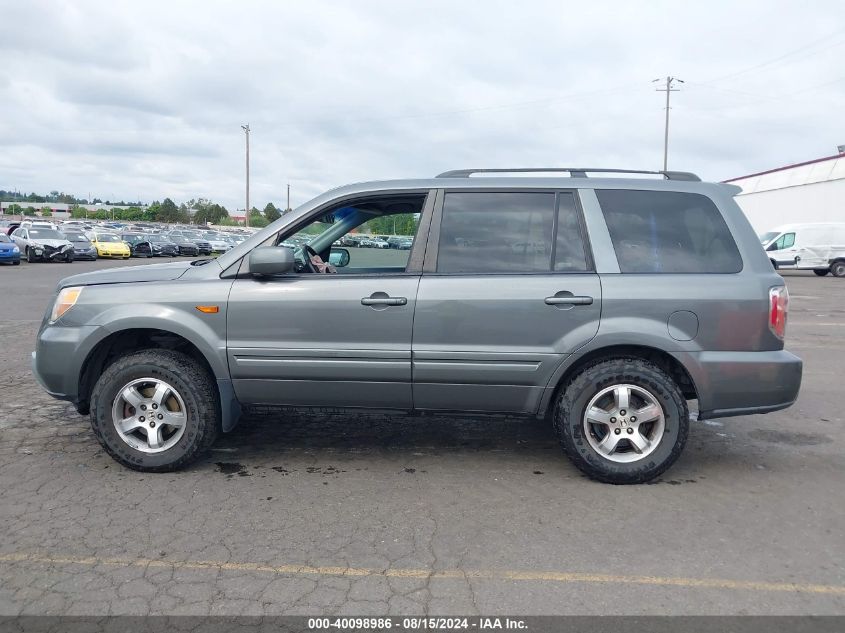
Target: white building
813, 191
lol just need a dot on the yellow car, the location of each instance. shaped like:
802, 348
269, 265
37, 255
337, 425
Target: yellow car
108, 245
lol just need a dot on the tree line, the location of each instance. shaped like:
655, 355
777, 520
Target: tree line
204, 211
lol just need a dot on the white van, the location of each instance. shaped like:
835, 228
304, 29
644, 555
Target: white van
816, 247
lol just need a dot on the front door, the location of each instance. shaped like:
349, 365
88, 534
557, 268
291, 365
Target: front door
506, 295
336, 339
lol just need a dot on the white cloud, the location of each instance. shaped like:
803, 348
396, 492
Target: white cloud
123, 99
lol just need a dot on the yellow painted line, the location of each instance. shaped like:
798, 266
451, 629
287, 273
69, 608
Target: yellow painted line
510, 575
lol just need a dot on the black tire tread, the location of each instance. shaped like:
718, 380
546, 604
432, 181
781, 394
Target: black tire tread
624, 367
189, 371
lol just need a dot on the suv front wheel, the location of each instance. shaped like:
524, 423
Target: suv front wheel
622, 421
155, 410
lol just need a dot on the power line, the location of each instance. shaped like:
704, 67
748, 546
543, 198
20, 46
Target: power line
783, 56
516, 105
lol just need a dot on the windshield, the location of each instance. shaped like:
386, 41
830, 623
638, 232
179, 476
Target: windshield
191, 235
103, 237
768, 237
45, 234
4, 238
156, 238
77, 238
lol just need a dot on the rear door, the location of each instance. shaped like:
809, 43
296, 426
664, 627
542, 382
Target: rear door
508, 290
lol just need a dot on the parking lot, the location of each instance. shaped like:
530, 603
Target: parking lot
319, 514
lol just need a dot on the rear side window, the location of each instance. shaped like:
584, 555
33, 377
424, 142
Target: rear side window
510, 233
668, 232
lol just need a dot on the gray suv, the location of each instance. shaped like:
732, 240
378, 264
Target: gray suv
605, 304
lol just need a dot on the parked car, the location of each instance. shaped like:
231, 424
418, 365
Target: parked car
373, 242
10, 253
350, 240
203, 245
82, 246
163, 245
648, 294
184, 246
38, 224
110, 245
218, 244
42, 244
817, 247
138, 243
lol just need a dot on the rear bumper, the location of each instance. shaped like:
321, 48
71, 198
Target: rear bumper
743, 383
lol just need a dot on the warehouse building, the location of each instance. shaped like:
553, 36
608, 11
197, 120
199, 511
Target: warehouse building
813, 191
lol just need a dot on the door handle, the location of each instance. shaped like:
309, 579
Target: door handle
384, 301
568, 300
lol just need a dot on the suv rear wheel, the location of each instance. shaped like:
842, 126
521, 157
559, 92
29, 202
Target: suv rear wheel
838, 269
155, 410
622, 421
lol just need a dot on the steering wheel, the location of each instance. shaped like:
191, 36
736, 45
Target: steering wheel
309, 252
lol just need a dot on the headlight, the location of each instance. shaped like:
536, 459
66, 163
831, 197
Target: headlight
64, 302
15, 249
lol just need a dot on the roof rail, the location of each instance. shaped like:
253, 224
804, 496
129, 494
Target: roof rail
574, 172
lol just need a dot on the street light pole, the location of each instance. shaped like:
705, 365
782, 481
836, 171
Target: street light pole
246, 214
287, 208
668, 89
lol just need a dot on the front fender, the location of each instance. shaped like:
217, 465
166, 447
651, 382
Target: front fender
207, 332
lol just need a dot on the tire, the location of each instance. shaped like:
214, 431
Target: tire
838, 269
198, 400
580, 438
30, 258
821, 272
17, 263
69, 258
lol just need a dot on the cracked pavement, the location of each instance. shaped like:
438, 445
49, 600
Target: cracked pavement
351, 514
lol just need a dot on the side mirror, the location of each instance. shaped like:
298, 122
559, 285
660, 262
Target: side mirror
271, 260
339, 257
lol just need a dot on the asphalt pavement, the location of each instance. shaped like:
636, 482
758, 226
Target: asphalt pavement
356, 514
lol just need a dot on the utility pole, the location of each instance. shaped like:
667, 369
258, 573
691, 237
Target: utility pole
246, 214
669, 90
287, 208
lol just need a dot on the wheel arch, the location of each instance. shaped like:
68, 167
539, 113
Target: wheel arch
663, 359
126, 341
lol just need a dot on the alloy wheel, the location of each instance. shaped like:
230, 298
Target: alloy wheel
149, 415
624, 423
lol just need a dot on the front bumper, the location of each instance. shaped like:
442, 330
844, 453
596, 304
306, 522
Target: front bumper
743, 383
49, 253
10, 256
56, 361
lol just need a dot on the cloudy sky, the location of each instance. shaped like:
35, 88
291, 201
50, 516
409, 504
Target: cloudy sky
130, 100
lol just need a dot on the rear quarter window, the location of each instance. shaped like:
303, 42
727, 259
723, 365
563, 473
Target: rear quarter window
668, 232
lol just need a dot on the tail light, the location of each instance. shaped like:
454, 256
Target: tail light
778, 307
